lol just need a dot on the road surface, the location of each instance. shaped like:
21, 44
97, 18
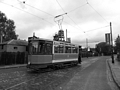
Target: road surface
92, 74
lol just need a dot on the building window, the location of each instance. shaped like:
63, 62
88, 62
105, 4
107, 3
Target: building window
15, 47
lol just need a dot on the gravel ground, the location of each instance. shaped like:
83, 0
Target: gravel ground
22, 79
45, 81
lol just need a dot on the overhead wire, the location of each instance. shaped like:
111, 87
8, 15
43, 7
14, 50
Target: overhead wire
26, 12
67, 15
77, 8
33, 14
71, 25
42, 11
92, 41
53, 15
96, 29
39, 9
96, 11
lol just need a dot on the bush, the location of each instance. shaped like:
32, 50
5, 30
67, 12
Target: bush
118, 56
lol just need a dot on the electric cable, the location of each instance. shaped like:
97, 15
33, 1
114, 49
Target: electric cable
53, 15
26, 12
96, 29
38, 9
96, 11
77, 8
67, 15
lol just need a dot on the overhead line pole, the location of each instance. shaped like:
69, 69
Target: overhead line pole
112, 56
66, 34
87, 47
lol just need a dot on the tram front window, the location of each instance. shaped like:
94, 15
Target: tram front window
40, 47
33, 47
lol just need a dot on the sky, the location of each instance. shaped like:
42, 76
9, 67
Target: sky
85, 19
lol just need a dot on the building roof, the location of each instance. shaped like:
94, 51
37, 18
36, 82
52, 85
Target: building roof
15, 42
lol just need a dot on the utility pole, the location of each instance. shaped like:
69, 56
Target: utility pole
87, 47
66, 35
86, 43
112, 56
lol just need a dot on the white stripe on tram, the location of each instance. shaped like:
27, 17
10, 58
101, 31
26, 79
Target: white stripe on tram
64, 60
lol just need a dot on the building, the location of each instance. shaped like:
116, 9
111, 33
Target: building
14, 46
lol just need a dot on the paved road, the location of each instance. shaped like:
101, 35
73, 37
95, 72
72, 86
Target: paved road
91, 75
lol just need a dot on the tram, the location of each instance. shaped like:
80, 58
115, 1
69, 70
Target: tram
44, 53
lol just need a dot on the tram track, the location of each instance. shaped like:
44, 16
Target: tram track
41, 73
29, 71
34, 78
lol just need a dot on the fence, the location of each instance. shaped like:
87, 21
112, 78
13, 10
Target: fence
89, 54
10, 58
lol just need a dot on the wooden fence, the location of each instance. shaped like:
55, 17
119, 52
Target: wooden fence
10, 58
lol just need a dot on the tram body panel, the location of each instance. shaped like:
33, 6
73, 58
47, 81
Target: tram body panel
72, 56
63, 57
40, 59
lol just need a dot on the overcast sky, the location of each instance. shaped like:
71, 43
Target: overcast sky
84, 19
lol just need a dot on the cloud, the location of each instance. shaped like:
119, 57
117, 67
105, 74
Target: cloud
81, 18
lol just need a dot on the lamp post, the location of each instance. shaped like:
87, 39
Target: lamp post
87, 47
112, 56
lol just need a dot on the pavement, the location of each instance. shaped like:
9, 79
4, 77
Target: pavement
12, 66
115, 70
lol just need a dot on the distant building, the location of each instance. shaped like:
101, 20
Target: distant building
14, 46
108, 38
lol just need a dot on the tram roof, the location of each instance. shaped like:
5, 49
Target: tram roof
37, 38
60, 42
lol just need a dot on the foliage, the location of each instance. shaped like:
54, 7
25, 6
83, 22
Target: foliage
7, 28
117, 43
103, 48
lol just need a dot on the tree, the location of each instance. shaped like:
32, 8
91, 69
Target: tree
103, 48
7, 28
117, 43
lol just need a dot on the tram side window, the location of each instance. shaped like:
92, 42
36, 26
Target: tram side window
48, 48
75, 50
56, 49
72, 48
59, 49
45, 48
67, 49
41, 48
